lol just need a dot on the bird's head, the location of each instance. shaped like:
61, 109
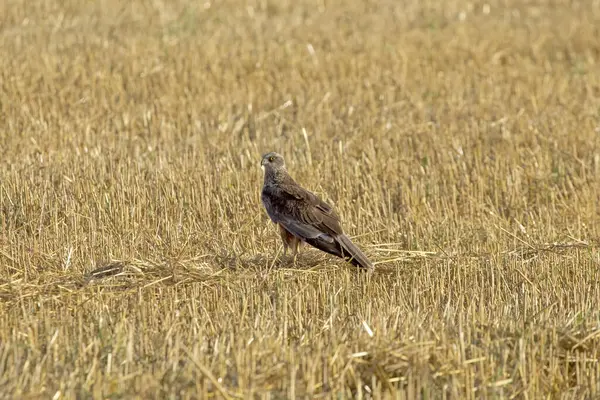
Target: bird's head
272, 161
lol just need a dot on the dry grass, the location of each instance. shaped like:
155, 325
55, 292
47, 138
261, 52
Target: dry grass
460, 142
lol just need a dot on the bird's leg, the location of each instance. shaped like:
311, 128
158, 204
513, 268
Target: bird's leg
294, 251
295, 245
284, 238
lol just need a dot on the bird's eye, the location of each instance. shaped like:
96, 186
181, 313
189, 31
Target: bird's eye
271, 159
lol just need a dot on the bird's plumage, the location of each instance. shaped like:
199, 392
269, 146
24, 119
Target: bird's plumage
303, 215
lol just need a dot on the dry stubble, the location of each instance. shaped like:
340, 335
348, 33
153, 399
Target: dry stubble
459, 141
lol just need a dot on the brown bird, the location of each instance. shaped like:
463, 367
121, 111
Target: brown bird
304, 217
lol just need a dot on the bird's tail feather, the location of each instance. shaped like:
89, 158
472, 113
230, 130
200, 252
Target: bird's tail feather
356, 256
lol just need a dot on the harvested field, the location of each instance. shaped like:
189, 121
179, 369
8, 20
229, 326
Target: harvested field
458, 140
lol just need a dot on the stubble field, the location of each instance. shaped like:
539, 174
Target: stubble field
459, 141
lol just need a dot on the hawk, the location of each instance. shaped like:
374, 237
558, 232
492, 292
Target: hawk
303, 217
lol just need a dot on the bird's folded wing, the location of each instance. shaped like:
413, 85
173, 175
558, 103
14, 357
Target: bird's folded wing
308, 209
304, 231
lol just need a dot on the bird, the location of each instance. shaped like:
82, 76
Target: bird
303, 217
